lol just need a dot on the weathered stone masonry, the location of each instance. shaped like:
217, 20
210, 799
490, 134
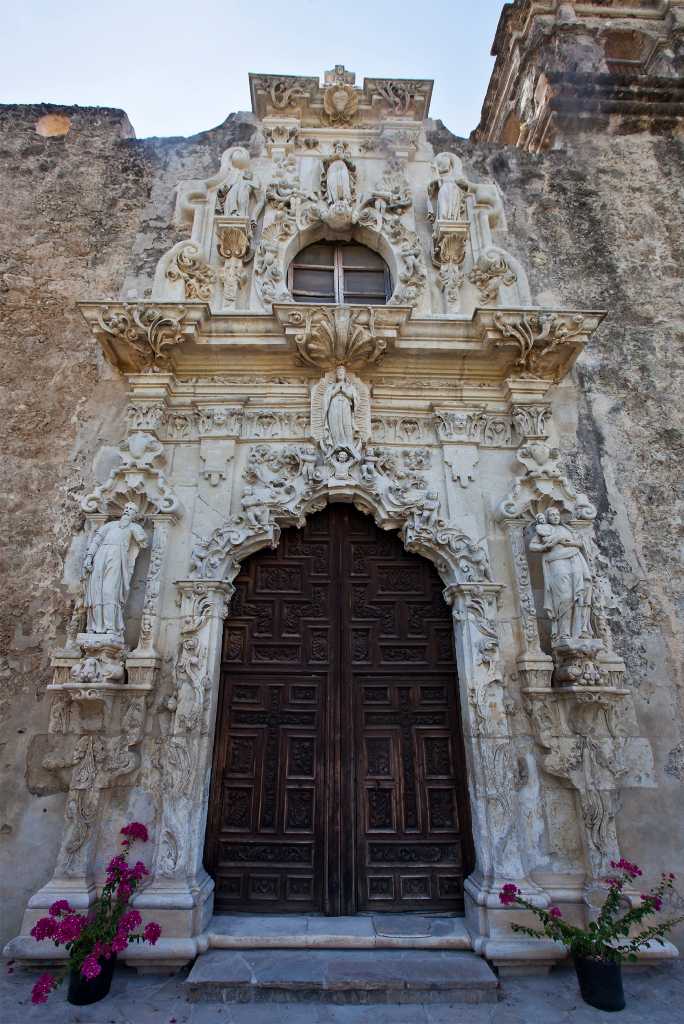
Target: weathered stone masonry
596, 226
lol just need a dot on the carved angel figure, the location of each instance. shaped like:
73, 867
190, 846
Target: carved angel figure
567, 577
448, 187
107, 571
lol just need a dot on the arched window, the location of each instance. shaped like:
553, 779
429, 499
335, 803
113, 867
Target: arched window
339, 272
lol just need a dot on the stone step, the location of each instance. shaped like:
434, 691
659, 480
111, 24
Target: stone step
341, 976
307, 931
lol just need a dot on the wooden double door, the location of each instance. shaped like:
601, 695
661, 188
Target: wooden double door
338, 780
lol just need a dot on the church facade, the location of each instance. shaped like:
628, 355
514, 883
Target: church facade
361, 607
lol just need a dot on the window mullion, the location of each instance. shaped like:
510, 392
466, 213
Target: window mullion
339, 275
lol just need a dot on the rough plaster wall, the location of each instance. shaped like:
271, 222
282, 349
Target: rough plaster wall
82, 213
89, 213
600, 225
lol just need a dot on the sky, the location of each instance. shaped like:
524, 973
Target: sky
179, 67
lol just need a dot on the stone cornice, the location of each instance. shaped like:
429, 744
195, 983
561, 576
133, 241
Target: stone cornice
493, 345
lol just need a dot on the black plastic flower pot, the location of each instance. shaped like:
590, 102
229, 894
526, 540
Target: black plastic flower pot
84, 991
600, 983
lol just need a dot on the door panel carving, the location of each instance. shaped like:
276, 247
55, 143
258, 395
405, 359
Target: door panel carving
339, 779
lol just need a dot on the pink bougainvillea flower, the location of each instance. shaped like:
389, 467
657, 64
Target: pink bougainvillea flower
119, 942
152, 932
70, 927
42, 988
555, 912
60, 907
90, 968
44, 928
136, 830
130, 921
138, 871
508, 893
124, 892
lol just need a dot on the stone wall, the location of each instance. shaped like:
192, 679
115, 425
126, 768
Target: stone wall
88, 214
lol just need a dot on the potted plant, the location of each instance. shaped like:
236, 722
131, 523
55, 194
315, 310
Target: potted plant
93, 940
599, 949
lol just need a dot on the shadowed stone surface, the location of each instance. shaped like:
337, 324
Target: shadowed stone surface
341, 976
235, 931
653, 995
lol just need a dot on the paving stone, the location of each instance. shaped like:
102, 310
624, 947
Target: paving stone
653, 997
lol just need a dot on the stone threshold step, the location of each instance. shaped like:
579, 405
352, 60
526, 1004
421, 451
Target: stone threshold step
341, 976
377, 931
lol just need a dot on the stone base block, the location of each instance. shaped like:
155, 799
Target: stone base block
341, 977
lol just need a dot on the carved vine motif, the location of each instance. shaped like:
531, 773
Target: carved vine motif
537, 335
488, 275
399, 95
149, 331
282, 482
197, 276
412, 273
282, 92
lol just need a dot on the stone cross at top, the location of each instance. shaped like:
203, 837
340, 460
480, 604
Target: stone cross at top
339, 76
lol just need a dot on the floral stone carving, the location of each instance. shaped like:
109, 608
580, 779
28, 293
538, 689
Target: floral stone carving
137, 479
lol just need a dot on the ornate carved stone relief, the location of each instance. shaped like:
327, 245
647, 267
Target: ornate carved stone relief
537, 336
138, 479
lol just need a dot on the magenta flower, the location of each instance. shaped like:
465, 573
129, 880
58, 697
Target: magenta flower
135, 830
124, 892
554, 912
119, 942
130, 921
70, 927
44, 928
139, 871
152, 932
90, 968
42, 988
508, 893
627, 867
60, 907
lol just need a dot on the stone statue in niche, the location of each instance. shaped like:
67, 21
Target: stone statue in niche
107, 571
340, 413
241, 191
567, 577
338, 186
339, 404
447, 189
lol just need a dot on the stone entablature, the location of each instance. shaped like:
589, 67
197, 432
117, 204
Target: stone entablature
249, 412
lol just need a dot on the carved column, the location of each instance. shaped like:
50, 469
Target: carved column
180, 891
492, 775
218, 427
94, 737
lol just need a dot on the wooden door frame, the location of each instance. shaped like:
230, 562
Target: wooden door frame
340, 846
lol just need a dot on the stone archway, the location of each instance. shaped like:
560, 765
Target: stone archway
339, 781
